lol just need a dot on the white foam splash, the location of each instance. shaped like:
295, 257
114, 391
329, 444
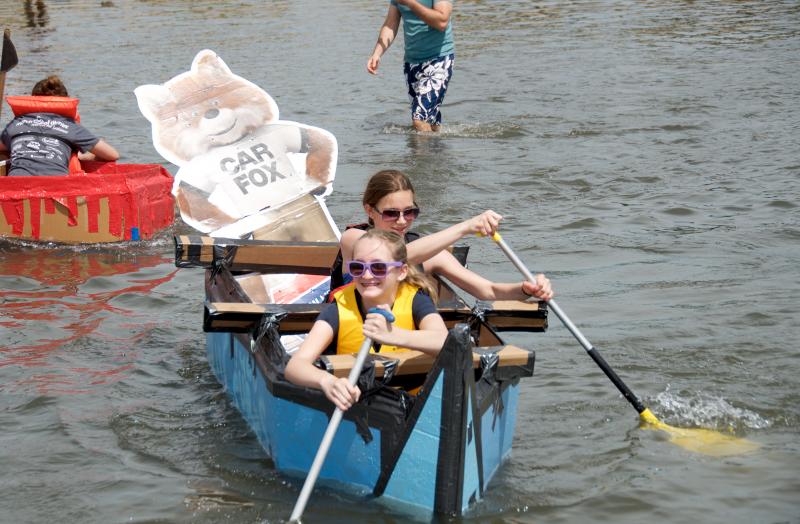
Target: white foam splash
708, 411
472, 130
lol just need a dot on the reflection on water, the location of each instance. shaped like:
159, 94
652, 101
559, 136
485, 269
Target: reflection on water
36, 13
55, 301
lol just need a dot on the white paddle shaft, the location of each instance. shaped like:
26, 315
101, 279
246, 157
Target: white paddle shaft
550, 303
327, 439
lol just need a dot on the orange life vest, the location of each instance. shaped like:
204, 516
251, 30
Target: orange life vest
60, 105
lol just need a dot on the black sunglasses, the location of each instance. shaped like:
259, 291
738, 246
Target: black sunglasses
393, 215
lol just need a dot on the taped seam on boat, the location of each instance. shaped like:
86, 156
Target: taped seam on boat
480, 308
362, 427
368, 385
458, 374
477, 419
188, 250
490, 385
324, 364
178, 251
222, 258
389, 366
388, 465
499, 407
268, 321
489, 362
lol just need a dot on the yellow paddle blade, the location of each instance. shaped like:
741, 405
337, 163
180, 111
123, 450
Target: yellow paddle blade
706, 441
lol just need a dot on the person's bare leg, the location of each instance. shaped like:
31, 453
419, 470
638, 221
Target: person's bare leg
422, 126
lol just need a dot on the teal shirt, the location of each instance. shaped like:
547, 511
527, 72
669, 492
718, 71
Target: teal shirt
422, 41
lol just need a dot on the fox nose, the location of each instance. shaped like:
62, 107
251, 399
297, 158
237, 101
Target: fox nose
211, 113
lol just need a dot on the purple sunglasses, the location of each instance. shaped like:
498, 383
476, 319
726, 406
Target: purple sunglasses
378, 268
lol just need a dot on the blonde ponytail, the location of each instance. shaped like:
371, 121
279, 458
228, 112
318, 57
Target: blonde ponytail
415, 277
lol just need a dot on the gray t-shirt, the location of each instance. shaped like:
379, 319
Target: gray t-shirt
42, 143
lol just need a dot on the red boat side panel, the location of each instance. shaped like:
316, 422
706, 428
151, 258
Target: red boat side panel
36, 221
92, 212
72, 205
102, 203
12, 210
115, 215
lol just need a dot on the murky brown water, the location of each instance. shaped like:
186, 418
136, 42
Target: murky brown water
644, 154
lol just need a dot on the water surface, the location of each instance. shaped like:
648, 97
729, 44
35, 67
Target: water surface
644, 155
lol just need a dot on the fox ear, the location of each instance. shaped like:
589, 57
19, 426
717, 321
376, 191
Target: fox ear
151, 99
207, 63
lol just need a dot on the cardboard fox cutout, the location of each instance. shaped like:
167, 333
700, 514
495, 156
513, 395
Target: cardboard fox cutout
236, 157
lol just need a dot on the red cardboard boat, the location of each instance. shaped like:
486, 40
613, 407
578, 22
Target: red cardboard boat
104, 202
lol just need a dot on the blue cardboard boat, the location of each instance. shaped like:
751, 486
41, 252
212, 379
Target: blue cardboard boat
428, 434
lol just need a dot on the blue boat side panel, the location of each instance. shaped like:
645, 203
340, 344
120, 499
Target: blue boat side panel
497, 435
298, 433
250, 396
511, 400
414, 477
277, 422
472, 487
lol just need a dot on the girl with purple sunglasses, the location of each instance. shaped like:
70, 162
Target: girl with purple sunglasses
382, 278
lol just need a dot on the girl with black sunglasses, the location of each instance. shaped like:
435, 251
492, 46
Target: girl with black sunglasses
382, 278
390, 204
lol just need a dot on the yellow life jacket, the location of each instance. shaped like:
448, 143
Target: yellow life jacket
351, 325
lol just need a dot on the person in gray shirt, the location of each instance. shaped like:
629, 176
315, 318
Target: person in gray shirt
42, 143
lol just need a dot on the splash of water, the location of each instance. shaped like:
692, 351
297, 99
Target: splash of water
699, 409
502, 130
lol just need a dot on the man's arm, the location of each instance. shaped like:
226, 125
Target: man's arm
102, 150
386, 36
437, 18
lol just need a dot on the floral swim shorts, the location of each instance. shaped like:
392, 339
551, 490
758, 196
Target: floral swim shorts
427, 85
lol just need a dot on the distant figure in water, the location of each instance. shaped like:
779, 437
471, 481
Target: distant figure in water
40, 142
429, 55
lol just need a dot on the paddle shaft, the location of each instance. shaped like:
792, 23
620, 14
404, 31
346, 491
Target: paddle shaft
6, 37
598, 359
327, 439
2, 90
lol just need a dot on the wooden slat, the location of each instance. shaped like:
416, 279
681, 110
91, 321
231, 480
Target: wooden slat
266, 256
242, 317
514, 315
416, 362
